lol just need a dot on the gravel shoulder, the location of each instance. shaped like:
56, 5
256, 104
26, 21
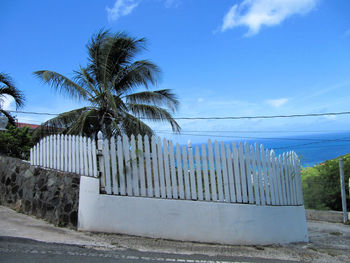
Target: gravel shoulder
329, 242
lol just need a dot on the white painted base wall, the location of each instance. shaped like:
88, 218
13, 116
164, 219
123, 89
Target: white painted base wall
210, 222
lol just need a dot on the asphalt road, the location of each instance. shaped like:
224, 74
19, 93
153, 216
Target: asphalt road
13, 249
329, 243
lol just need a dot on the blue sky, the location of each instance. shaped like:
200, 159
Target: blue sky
222, 58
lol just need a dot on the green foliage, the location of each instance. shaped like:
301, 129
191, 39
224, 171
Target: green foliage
7, 88
16, 142
321, 185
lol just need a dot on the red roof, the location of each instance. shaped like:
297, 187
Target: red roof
22, 125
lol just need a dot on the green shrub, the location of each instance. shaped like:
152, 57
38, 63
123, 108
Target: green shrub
321, 185
16, 142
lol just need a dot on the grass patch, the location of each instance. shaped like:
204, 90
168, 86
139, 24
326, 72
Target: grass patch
336, 233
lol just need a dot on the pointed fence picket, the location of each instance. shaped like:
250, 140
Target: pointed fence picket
121, 173
266, 176
205, 173
218, 169
237, 174
199, 174
151, 167
230, 172
187, 189
242, 173
192, 173
247, 160
160, 167
135, 173
174, 181
167, 169
154, 173
212, 172
180, 172
150, 189
141, 165
224, 173
260, 182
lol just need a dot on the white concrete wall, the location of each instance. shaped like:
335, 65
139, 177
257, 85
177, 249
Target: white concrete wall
189, 220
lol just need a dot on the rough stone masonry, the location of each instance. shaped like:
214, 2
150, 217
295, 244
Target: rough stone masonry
44, 193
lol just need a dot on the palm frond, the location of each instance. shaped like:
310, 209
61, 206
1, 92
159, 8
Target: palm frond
154, 113
120, 104
85, 124
62, 84
61, 123
139, 73
132, 125
11, 119
9, 88
159, 97
95, 56
118, 51
84, 79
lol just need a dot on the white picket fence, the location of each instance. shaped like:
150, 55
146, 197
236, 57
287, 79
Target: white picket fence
68, 153
151, 167
213, 172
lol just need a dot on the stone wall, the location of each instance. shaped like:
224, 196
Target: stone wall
43, 193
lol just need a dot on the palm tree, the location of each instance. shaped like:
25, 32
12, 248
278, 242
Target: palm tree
7, 87
107, 84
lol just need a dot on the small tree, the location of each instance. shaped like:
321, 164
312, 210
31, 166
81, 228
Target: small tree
16, 142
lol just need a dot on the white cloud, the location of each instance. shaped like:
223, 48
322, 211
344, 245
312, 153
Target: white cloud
5, 102
278, 102
256, 13
330, 117
199, 100
121, 8
125, 7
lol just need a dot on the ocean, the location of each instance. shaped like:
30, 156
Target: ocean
311, 148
